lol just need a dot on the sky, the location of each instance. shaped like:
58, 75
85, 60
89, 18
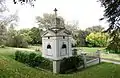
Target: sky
86, 12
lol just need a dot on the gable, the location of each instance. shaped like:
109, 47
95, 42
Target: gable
48, 33
63, 32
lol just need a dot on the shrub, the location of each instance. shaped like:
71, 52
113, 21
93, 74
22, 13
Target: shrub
70, 63
21, 57
97, 39
74, 52
37, 49
2, 46
46, 64
17, 55
38, 60
33, 60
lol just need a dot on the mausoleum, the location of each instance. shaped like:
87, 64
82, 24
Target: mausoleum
57, 41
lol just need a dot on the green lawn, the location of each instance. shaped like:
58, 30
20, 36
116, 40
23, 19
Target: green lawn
93, 49
34, 47
9, 68
104, 54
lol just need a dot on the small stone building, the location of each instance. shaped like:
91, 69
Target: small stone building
57, 41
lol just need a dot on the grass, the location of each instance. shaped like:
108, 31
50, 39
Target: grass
9, 68
93, 49
34, 47
104, 54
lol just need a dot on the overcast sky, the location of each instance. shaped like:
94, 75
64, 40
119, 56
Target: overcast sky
86, 12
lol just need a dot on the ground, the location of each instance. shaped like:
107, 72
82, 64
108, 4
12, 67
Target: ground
9, 68
104, 54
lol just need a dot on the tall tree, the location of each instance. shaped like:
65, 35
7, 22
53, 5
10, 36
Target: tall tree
112, 14
5, 20
80, 38
47, 21
35, 34
15, 38
97, 39
95, 29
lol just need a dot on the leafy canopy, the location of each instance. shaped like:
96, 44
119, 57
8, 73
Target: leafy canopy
97, 39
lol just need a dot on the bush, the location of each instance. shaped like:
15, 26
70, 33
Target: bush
21, 57
33, 60
46, 64
97, 39
74, 52
16, 41
70, 63
2, 46
37, 49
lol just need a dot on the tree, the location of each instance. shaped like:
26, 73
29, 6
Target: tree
80, 37
112, 14
30, 2
95, 29
114, 43
35, 34
5, 21
97, 39
15, 38
3, 32
25, 33
47, 21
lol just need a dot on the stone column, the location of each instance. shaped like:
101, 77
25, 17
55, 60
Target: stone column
98, 55
56, 66
84, 60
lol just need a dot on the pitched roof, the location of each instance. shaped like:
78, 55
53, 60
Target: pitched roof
56, 31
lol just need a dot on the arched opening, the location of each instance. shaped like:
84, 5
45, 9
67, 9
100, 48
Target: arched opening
63, 49
48, 46
49, 50
63, 46
63, 37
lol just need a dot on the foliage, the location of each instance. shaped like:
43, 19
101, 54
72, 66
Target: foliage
95, 29
37, 49
114, 44
70, 63
3, 32
25, 33
2, 46
5, 20
46, 64
97, 40
80, 38
15, 39
112, 13
21, 38
33, 60
47, 21
35, 34
30, 2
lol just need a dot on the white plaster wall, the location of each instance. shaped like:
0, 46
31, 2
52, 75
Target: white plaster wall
45, 42
56, 44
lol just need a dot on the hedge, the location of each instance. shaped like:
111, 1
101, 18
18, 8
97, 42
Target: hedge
70, 63
33, 60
